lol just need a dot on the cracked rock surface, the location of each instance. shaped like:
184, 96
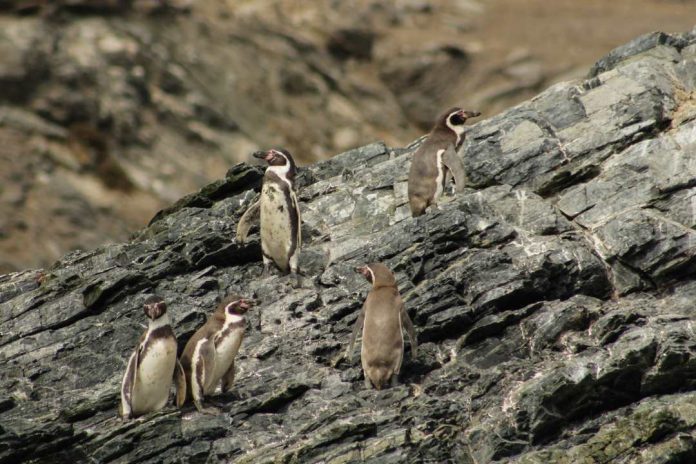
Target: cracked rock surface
553, 300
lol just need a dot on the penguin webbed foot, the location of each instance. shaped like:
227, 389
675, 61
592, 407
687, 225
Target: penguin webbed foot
198, 403
296, 281
124, 415
368, 384
266, 271
212, 411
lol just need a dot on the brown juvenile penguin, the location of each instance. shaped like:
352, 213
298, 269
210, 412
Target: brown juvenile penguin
281, 230
381, 319
208, 357
148, 377
437, 158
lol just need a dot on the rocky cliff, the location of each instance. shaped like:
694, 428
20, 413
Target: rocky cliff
112, 109
553, 300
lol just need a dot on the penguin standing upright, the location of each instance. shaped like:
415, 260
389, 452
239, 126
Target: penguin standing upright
381, 319
148, 377
437, 158
281, 234
208, 357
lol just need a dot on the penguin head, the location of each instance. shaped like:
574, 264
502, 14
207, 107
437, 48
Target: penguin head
154, 307
455, 118
377, 274
366, 272
236, 305
277, 157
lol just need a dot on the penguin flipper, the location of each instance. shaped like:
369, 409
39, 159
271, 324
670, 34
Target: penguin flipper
455, 166
202, 366
125, 408
296, 205
250, 217
294, 253
180, 382
408, 326
354, 335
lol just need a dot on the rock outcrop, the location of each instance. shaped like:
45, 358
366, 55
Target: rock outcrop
112, 109
109, 102
553, 300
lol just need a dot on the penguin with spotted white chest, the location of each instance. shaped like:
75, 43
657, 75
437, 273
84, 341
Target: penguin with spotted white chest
281, 221
148, 377
208, 357
436, 159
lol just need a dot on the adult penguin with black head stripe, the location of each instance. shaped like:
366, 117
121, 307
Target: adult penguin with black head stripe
436, 159
148, 377
281, 221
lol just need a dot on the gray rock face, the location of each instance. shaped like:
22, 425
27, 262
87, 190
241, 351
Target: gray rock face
553, 300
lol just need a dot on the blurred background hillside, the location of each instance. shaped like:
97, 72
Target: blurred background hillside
112, 109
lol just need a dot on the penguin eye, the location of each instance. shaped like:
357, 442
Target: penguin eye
457, 120
151, 311
278, 159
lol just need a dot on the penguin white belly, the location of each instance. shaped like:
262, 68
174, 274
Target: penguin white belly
154, 378
225, 353
276, 232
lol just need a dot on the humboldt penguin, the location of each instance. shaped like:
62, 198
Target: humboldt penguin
436, 159
148, 378
281, 230
208, 357
381, 319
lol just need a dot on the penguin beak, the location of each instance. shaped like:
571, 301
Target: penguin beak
264, 155
365, 271
245, 304
469, 113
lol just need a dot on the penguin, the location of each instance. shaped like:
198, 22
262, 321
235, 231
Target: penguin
436, 159
281, 234
381, 319
148, 377
208, 357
